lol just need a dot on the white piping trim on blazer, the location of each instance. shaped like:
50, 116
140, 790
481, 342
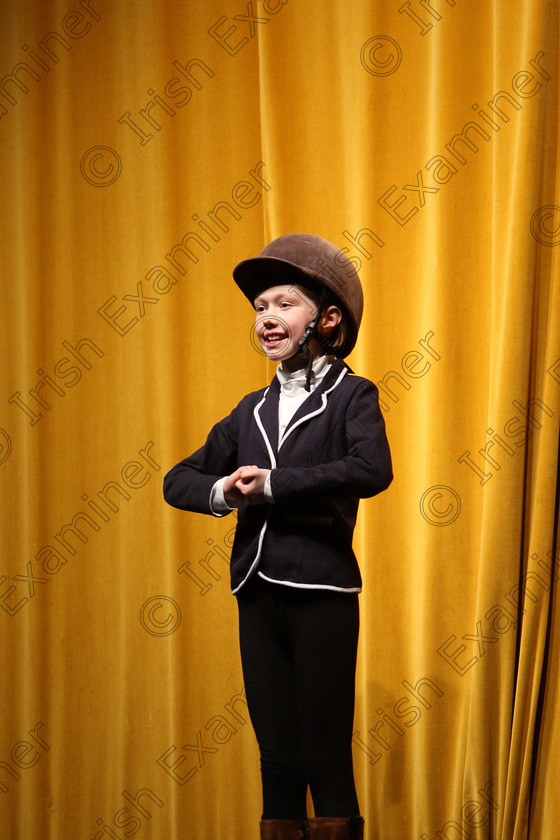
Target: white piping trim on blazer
320, 410
290, 429
263, 432
255, 562
308, 585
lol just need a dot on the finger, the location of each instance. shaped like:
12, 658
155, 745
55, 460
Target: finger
249, 474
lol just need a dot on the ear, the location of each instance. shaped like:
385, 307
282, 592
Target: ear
330, 319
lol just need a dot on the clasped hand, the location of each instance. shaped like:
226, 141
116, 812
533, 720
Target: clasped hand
246, 483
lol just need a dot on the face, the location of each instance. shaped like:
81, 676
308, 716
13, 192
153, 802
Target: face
282, 314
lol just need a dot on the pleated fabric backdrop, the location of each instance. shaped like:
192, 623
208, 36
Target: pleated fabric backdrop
145, 149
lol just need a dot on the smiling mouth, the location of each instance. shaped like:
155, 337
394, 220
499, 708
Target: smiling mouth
274, 339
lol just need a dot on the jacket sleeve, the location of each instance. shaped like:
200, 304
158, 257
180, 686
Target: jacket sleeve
359, 461
188, 485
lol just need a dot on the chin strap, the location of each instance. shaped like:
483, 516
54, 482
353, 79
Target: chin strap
306, 349
303, 346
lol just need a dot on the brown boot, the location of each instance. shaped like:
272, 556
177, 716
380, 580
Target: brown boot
282, 830
335, 828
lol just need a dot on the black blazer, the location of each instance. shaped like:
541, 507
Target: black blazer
334, 452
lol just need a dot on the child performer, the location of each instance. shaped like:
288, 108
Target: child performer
294, 459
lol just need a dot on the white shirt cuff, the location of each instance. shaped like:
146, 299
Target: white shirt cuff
267, 491
218, 504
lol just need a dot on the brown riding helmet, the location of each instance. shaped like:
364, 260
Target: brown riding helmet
309, 261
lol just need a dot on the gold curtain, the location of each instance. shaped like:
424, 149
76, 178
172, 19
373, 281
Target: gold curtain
145, 149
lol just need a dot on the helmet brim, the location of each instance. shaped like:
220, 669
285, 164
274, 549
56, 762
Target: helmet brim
257, 273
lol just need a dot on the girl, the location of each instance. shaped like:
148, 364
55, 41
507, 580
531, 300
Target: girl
294, 459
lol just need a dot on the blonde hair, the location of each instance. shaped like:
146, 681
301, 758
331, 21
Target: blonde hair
323, 297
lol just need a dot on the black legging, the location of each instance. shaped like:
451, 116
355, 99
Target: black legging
298, 649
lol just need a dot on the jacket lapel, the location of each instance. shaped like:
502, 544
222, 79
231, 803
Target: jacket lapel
266, 416
266, 411
316, 403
